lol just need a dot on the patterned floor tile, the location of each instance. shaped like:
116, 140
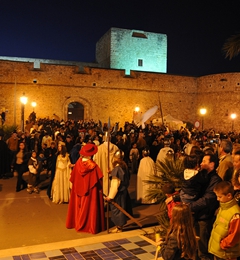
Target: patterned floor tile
132, 248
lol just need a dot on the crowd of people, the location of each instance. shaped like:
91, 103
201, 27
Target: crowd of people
210, 188
86, 158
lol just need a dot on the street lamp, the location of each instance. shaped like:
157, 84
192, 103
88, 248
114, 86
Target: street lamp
137, 109
233, 116
203, 111
136, 114
23, 100
33, 105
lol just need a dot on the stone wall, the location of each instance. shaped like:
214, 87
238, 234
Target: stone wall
110, 93
220, 95
104, 93
103, 47
123, 48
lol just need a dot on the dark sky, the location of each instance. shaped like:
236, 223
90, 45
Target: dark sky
69, 29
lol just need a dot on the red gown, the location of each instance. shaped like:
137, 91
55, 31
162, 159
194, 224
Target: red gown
86, 205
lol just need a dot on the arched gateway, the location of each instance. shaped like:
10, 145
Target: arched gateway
76, 109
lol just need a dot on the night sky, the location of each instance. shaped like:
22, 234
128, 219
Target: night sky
69, 29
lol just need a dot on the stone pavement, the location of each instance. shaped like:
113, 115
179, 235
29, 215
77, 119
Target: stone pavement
32, 227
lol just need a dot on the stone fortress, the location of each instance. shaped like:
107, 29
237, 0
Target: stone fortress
130, 71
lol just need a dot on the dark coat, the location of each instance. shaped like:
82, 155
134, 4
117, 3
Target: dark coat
205, 207
53, 169
194, 185
4, 158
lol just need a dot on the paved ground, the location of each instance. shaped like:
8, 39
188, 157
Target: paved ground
31, 221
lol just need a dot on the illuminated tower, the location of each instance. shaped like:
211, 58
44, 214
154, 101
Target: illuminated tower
132, 50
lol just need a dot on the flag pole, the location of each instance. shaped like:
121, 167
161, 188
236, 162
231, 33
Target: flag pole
160, 106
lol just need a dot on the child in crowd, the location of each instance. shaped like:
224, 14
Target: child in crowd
180, 242
193, 180
224, 242
134, 157
169, 190
34, 170
42, 159
49, 155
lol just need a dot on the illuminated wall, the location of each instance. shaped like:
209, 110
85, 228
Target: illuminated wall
108, 93
132, 50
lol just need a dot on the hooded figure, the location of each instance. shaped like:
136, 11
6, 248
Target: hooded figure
104, 159
86, 205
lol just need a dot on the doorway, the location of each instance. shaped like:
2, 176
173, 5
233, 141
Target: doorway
75, 111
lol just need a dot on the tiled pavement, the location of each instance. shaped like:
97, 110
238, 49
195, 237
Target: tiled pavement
51, 240
130, 248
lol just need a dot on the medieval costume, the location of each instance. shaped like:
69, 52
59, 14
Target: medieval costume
60, 191
34, 167
86, 205
119, 191
105, 163
146, 169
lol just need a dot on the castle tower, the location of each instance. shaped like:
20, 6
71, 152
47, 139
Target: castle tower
132, 50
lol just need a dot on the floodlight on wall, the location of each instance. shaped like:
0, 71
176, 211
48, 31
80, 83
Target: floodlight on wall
233, 117
34, 104
136, 114
203, 112
23, 100
137, 109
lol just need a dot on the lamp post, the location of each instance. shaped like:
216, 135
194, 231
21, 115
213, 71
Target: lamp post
34, 104
233, 116
23, 100
32, 116
136, 114
203, 111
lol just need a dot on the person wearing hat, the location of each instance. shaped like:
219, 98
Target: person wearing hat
86, 205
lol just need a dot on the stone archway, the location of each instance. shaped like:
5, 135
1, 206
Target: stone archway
75, 111
79, 107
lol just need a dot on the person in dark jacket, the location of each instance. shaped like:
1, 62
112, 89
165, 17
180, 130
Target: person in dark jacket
74, 154
204, 208
50, 152
4, 157
193, 179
